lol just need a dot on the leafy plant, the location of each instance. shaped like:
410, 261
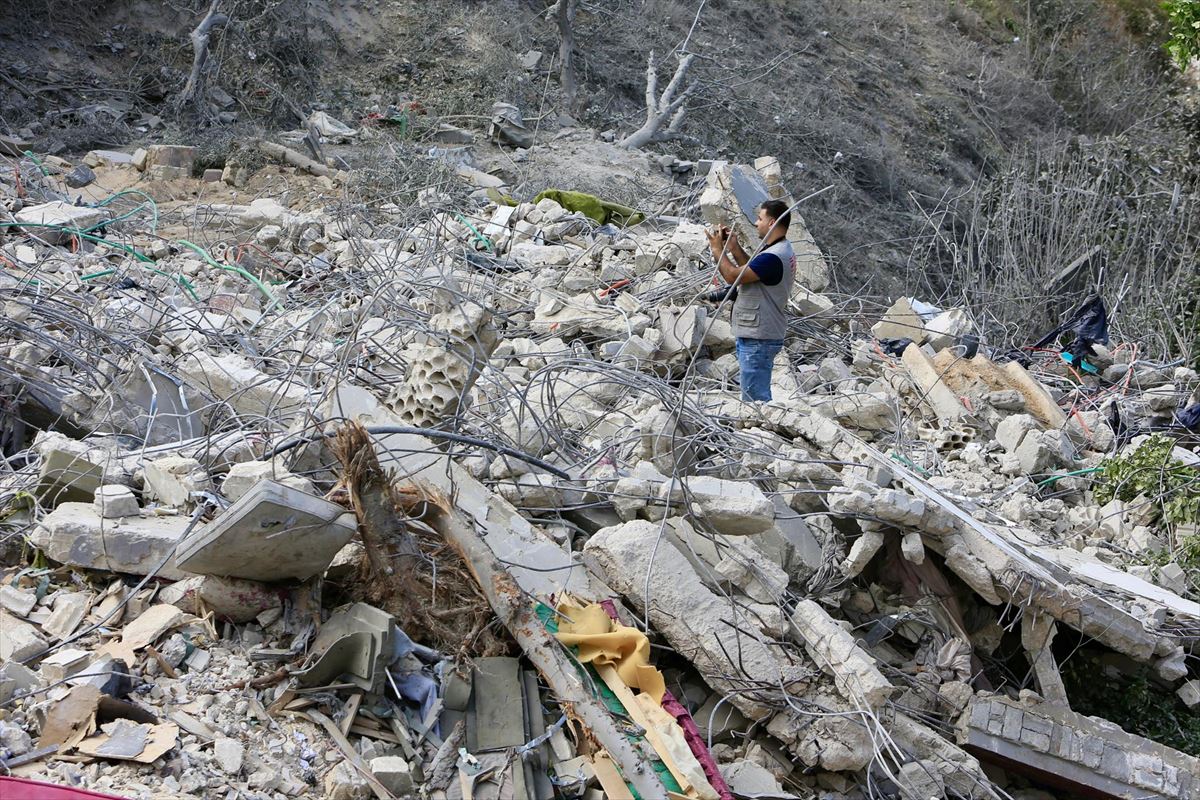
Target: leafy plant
1184, 18
1134, 704
1151, 470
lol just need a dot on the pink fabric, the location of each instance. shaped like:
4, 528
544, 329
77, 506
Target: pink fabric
691, 734
23, 789
695, 741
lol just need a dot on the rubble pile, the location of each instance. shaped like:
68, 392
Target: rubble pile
352, 502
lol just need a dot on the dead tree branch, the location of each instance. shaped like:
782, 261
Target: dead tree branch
664, 112
564, 16
193, 90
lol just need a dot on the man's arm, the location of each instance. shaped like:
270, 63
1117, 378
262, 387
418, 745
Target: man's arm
731, 259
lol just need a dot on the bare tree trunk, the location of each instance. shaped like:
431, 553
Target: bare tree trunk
564, 13
193, 90
664, 112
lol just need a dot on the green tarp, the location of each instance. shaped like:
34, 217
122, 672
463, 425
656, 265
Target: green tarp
601, 211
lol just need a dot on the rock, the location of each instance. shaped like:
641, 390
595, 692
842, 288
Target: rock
172, 480
115, 501
212, 175
1172, 577
1189, 693
16, 678
229, 754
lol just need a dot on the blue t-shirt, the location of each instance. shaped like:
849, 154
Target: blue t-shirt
768, 267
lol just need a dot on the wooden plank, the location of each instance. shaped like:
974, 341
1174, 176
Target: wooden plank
351, 754
609, 777
351, 712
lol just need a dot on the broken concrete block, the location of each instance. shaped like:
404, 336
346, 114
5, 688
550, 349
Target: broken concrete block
171, 480
233, 379
241, 477
170, 155
920, 780
16, 679
18, 639
1088, 756
57, 220
14, 741
898, 507
731, 197
62, 664
913, 548
18, 602
748, 778
861, 552
682, 330
67, 471
1012, 431
229, 754
69, 611
837, 652
228, 598
394, 773
934, 391
115, 501
697, 621
900, 321
948, 328
734, 508
273, 532
75, 534
343, 782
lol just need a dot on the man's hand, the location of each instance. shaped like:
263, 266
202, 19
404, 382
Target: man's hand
716, 238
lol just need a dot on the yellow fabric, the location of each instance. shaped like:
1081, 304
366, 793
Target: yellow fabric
602, 640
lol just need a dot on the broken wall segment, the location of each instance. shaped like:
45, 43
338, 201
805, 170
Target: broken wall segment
1079, 754
731, 197
835, 650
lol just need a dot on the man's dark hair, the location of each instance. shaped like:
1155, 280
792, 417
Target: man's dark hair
778, 211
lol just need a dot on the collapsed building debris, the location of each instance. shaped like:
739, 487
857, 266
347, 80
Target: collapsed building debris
466, 505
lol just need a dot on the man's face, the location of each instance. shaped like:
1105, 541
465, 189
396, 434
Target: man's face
763, 223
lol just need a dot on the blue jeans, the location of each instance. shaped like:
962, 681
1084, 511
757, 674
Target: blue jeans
755, 359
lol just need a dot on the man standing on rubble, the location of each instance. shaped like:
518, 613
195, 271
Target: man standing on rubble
760, 287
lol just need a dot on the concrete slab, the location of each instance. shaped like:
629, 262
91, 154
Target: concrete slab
75, 534
59, 213
273, 532
498, 705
